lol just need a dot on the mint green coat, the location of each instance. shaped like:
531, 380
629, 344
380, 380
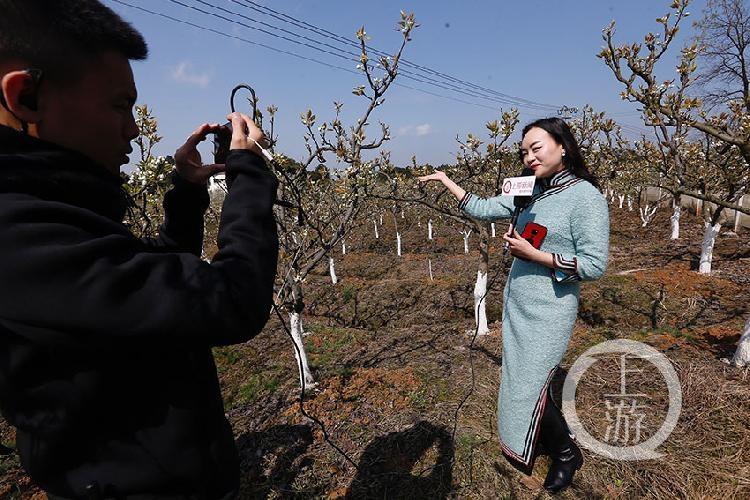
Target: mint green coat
541, 304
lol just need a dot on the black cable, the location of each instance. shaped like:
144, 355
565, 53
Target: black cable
354, 56
341, 39
234, 37
501, 98
469, 393
320, 424
406, 74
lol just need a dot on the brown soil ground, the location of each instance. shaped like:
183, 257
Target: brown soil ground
391, 354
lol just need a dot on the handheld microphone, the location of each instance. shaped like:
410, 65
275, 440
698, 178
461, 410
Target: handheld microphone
520, 202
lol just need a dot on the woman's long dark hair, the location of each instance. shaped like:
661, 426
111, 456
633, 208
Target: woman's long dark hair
560, 132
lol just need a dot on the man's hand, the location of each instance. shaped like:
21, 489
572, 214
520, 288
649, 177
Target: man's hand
188, 160
246, 134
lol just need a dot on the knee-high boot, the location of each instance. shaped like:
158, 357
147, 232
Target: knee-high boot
566, 457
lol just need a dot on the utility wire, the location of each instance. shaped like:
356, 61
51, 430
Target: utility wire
346, 55
341, 39
287, 52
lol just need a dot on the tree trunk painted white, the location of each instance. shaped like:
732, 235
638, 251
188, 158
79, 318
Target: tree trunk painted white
494, 232
429, 268
343, 247
674, 221
612, 196
466, 235
398, 244
621, 198
630, 203
738, 216
647, 214
402, 214
295, 321
480, 304
377, 235
381, 219
707, 248
742, 354
332, 269
429, 229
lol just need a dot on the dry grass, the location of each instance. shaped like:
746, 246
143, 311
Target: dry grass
391, 354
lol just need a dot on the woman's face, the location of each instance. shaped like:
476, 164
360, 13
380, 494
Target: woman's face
541, 153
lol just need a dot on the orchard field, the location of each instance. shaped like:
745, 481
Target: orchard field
388, 299
390, 351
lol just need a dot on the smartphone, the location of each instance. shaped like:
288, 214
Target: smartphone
222, 142
534, 233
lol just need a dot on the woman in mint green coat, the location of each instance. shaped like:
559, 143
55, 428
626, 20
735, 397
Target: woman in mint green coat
563, 240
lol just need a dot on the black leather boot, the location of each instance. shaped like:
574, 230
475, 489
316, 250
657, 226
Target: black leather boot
566, 457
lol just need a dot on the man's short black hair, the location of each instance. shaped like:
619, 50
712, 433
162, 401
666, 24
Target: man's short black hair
58, 35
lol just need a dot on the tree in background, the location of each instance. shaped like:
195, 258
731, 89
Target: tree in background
714, 101
324, 203
150, 179
477, 170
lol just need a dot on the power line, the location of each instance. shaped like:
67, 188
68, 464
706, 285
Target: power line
323, 32
235, 37
355, 57
290, 53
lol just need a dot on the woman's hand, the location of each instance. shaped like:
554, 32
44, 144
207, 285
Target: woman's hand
437, 176
441, 176
521, 248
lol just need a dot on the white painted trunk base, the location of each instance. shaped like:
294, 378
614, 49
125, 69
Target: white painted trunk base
343, 247
296, 327
466, 241
737, 216
377, 235
742, 354
707, 247
429, 229
332, 270
494, 233
480, 304
429, 269
630, 203
647, 214
674, 221
398, 244
621, 199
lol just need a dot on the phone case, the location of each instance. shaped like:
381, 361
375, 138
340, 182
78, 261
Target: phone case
534, 233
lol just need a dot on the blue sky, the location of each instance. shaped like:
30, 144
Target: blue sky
538, 50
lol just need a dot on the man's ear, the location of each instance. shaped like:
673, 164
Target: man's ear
19, 91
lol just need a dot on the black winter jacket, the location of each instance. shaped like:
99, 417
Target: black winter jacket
106, 368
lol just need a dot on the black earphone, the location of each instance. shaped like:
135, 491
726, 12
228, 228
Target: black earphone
29, 99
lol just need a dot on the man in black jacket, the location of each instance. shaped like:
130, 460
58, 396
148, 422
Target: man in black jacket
106, 368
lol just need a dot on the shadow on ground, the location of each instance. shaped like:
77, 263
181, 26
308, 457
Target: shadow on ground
414, 463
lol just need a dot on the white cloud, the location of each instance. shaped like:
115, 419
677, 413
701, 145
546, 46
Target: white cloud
423, 129
418, 130
184, 73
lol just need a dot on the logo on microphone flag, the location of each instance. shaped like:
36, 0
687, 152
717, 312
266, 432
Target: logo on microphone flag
518, 186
